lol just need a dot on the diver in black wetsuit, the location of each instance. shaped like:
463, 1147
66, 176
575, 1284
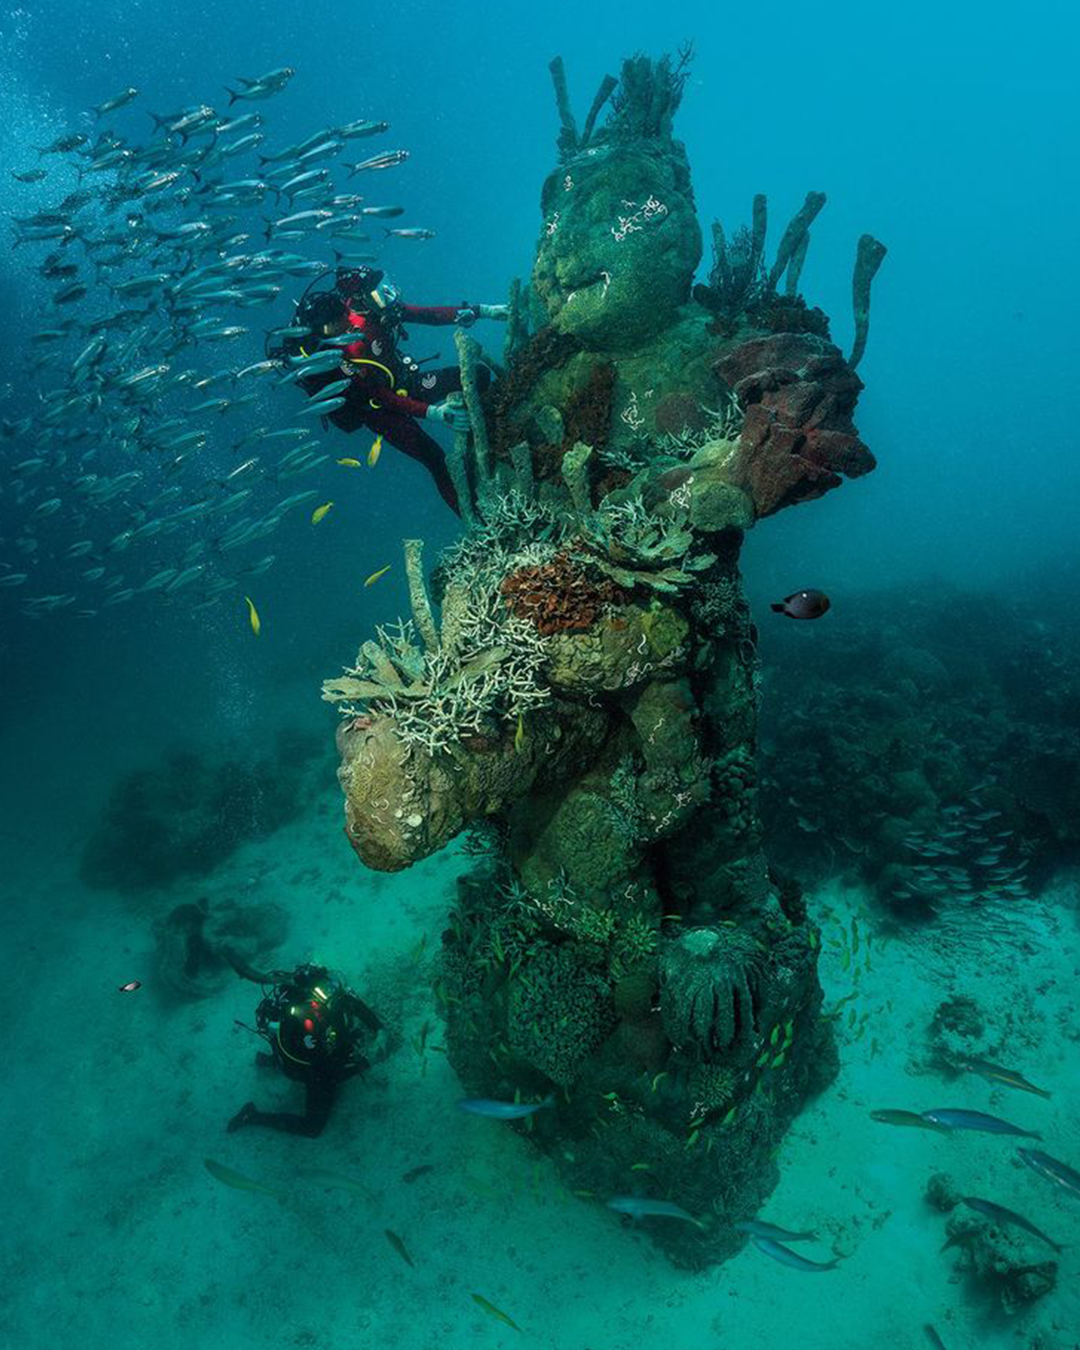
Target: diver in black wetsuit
320, 1033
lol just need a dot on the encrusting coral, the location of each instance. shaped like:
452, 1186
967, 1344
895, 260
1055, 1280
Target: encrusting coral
558, 596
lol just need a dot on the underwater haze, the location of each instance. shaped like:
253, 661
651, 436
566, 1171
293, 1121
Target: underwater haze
694, 960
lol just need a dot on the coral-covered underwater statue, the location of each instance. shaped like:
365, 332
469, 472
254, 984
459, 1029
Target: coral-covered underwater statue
577, 684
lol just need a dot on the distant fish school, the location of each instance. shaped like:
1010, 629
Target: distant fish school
110, 459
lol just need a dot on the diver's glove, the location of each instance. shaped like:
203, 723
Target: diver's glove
494, 311
451, 414
467, 315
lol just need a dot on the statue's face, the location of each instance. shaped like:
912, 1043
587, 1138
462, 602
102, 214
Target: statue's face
619, 246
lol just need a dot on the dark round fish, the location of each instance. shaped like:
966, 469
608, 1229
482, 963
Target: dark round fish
807, 604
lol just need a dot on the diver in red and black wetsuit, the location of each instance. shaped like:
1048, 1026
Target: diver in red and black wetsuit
389, 393
320, 1033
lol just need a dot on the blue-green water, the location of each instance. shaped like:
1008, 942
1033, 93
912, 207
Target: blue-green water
157, 753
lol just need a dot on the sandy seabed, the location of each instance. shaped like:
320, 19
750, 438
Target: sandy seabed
119, 1239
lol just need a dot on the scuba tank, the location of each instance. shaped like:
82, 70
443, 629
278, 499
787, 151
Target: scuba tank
313, 309
301, 1020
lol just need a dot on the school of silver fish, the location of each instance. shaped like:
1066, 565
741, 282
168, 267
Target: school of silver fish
145, 456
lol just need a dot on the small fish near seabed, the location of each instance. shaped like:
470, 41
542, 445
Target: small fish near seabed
1001, 1216
994, 1073
641, 1207
1061, 1174
326, 1176
399, 1246
759, 1228
415, 1173
494, 1110
954, 1118
808, 604
130, 987
237, 1180
909, 1118
492, 1311
786, 1257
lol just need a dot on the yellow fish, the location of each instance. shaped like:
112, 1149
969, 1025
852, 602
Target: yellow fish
376, 575
253, 615
519, 735
350, 463
237, 1180
319, 512
373, 453
492, 1311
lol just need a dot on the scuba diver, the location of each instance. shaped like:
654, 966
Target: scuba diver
388, 393
320, 1033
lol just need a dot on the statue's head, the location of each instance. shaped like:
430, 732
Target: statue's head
620, 241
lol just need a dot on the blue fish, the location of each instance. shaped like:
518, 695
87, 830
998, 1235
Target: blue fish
759, 1228
484, 1106
641, 1207
953, 1118
1061, 1174
1001, 1216
787, 1257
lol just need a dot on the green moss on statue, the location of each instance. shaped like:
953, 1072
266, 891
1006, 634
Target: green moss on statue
558, 1013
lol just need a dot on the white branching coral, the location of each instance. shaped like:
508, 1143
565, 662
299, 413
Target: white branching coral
724, 426
481, 669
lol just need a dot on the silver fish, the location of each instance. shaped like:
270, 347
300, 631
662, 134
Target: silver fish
323, 407
331, 390
641, 1207
995, 1073
64, 144
354, 130
158, 579
244, 123
111, 104
494, 1110
789, 1258
1001, 1216
187, 575
389, 159
265, 88
759, 1228
1061, 1174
